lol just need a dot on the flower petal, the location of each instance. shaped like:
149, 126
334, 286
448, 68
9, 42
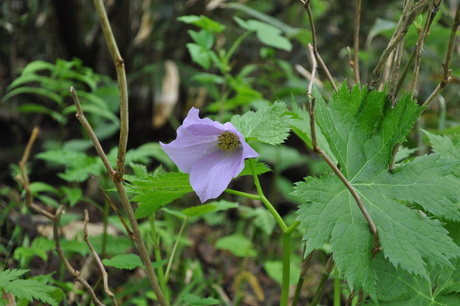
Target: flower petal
211, 175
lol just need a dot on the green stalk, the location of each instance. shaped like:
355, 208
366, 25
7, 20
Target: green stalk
174, 249
337, 295
235, 45
156, 247
286, 269
264, 200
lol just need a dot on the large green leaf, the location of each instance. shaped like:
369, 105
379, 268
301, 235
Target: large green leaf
361, 129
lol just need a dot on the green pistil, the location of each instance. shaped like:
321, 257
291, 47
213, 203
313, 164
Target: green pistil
228, 141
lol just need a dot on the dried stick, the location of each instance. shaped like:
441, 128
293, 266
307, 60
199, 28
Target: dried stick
311, 111
396, 57
120, 216
98, 260
303, 274
355, 64
23, 178
327, 271
69, 268
143, 252
400, 32
306, 4
433, 9
122, 86
446, 75
97, 145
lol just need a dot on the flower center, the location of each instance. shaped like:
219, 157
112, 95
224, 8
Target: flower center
228, 141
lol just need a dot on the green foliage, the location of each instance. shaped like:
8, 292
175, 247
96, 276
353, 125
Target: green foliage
78, 165
269, 125
51, 82
28, 289
362, 129
193, 300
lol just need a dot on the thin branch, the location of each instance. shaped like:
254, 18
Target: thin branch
120, 216
306, 4
98, 260
69, 268
311, 110
400, 32
446, 78
327, 271
303, 275
97, 145
356, 41
122, 86
23, 178
432, 10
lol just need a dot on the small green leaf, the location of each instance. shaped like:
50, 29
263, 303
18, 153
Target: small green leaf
203, 22
260, 168
73, 194
266, 33
274, 269
200, 55
238, 245
203, 38
270, 125
199, 210
124, 261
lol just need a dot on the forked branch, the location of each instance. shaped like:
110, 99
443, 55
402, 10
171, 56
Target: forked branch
144, 254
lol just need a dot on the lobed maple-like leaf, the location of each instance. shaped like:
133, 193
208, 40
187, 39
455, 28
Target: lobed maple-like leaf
361, 129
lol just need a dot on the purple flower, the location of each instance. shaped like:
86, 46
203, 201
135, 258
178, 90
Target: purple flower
211, 152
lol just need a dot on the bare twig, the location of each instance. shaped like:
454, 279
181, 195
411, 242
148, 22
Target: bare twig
400, 32
144, 254
311, 110
114, 207
69, 268
23, 178
432, 10
356, 41
327, 271
98, 260
122, 86
446, 75
97, 145
306, 4
303, 275
393, 62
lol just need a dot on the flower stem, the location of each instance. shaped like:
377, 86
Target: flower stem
264, 200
